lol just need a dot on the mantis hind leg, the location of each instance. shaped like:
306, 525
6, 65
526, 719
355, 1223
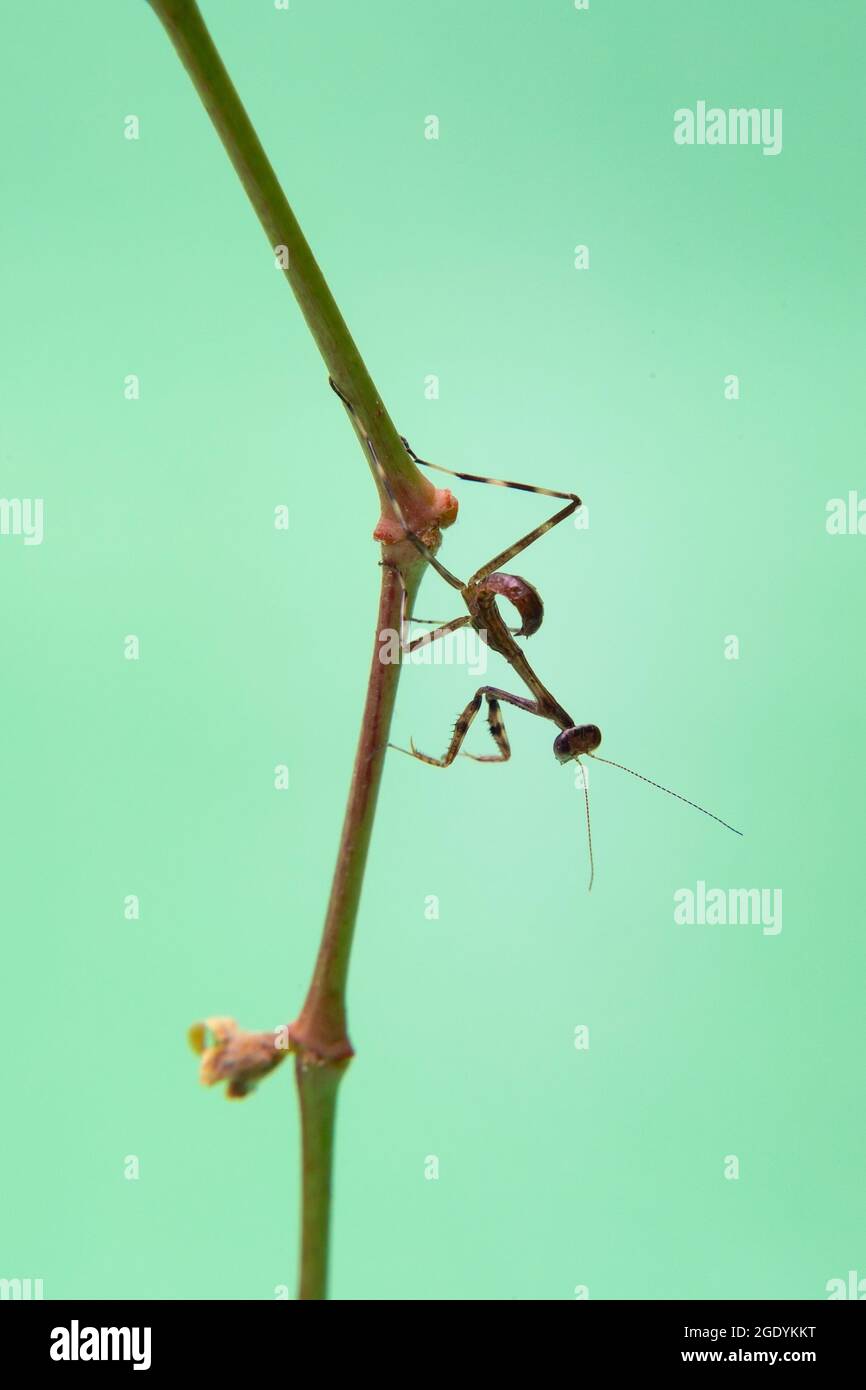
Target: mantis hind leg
493, 695
524, 542
440, 629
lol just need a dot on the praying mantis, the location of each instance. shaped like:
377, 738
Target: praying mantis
480, 594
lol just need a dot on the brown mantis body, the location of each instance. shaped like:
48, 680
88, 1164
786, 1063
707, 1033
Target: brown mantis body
480, 593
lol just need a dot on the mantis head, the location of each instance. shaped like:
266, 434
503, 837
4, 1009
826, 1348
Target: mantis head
582, 738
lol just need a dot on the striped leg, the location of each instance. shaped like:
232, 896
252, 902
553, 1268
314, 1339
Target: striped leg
494, 718
440, 629
504, 556
427, 637
496, 725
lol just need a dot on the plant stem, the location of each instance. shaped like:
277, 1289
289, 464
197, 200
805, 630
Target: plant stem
320, 1035
321, 1025
422, 503
317, 1096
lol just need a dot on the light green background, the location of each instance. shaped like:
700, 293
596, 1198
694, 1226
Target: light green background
707, 518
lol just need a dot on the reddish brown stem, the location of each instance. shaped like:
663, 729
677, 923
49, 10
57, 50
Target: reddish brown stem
320, 1029
320, 1033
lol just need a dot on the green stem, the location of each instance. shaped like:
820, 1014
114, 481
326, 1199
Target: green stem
195, 47
317, 1095
320, 1034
